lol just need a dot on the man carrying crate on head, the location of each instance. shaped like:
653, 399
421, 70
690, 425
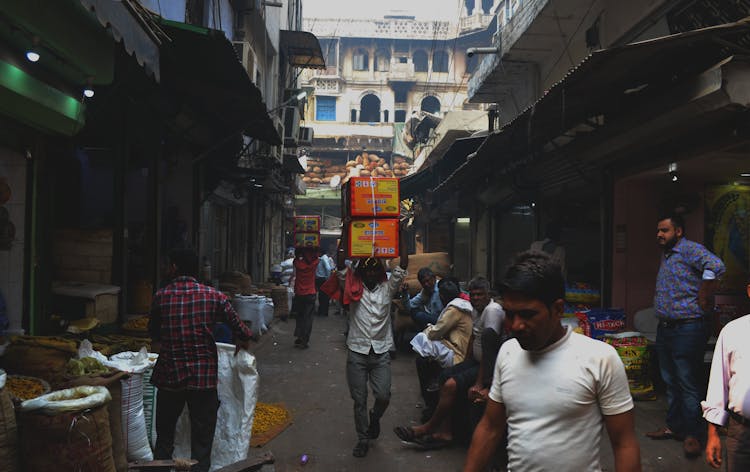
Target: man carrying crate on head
369, 338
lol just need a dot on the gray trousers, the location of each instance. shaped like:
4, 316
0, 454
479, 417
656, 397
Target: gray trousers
738, 446
375, 368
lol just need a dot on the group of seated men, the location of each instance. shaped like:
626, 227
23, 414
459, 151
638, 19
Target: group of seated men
456, 347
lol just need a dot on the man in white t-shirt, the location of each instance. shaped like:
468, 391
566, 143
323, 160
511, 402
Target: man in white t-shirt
555, 390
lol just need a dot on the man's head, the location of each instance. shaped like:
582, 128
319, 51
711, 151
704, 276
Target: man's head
426, 279
479, 293
183, 262
669, 230
533, 292
448, 290
371, 271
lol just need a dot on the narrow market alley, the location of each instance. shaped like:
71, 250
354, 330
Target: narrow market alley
311, 383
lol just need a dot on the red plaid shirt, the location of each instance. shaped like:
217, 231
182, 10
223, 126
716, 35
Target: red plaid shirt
183, 316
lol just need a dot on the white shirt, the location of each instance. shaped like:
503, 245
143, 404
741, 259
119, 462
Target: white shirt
325, 267
555, 399
370, 317
729, 381
492, 317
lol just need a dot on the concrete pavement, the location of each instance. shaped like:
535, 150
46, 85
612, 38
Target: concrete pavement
312, 384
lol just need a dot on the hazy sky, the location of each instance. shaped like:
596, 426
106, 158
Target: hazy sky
422, 9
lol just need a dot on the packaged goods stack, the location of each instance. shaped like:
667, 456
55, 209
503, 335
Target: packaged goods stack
372, 206
320, 172
306, 231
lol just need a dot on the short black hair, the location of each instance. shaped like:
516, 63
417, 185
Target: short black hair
424, 272
186, 261
534, 275
479, 283
448, 289
677, 220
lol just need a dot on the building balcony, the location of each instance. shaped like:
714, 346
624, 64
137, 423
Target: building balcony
475, 22
402, 72
336, 129
324, 85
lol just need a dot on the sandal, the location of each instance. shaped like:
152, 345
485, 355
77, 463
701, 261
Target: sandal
405, 433
430, 442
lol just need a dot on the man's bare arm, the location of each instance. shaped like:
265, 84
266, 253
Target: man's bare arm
621, 431
489, 433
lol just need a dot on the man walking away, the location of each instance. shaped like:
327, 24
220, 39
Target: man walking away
370, 338
684, 286
182, 318
322, 272
728, 399
303, 305
554, 389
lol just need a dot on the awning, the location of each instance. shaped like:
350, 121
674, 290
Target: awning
432, 176
37, 104
302, 49
606, 84
200, 64
126, 21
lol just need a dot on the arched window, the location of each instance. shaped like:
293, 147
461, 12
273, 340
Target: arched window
420, 61
385, 116
369, 109
430, 104
361, 60
382, 60
487, 6
440, 61
399, 116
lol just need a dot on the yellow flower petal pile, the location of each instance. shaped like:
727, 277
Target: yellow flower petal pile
267, 417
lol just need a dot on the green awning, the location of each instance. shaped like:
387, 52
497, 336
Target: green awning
201, 65
37, 104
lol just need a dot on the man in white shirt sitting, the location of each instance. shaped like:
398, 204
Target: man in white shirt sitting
554, 390
728, 398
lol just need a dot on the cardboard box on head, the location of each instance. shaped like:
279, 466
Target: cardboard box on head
373, 238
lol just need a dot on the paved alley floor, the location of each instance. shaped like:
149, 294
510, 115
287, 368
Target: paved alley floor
312, 384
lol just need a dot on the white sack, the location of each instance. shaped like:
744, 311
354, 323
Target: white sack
238, 393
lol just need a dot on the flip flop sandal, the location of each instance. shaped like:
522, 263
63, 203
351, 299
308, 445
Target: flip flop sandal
430, 442
405, 433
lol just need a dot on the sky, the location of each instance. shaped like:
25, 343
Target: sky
422, 9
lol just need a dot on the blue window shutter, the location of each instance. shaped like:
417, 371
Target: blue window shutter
325, 108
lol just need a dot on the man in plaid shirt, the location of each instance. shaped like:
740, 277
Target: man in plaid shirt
183, 316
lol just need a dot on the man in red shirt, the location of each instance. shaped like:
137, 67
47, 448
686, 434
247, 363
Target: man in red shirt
183, 315
303, 306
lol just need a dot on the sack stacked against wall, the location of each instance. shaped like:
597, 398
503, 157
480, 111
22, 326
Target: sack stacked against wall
321, 171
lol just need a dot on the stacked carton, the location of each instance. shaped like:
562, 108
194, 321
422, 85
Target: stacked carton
307, 231
372, 205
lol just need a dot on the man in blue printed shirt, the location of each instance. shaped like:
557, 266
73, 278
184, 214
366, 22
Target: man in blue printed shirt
684, 286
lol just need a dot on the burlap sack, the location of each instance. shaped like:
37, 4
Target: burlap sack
8, 434
68, 442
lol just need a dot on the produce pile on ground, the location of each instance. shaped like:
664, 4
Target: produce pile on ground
321, 171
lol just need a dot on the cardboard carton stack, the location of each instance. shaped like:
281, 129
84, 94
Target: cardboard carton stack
306, 231
373, 207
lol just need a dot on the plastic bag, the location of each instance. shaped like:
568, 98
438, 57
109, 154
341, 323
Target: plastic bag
238, 394
632, 347
69, 400
86, 349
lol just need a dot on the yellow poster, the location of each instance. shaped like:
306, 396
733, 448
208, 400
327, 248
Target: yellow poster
728, 232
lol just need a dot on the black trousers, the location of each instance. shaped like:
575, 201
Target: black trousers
303, 307
323, 299
202, 406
